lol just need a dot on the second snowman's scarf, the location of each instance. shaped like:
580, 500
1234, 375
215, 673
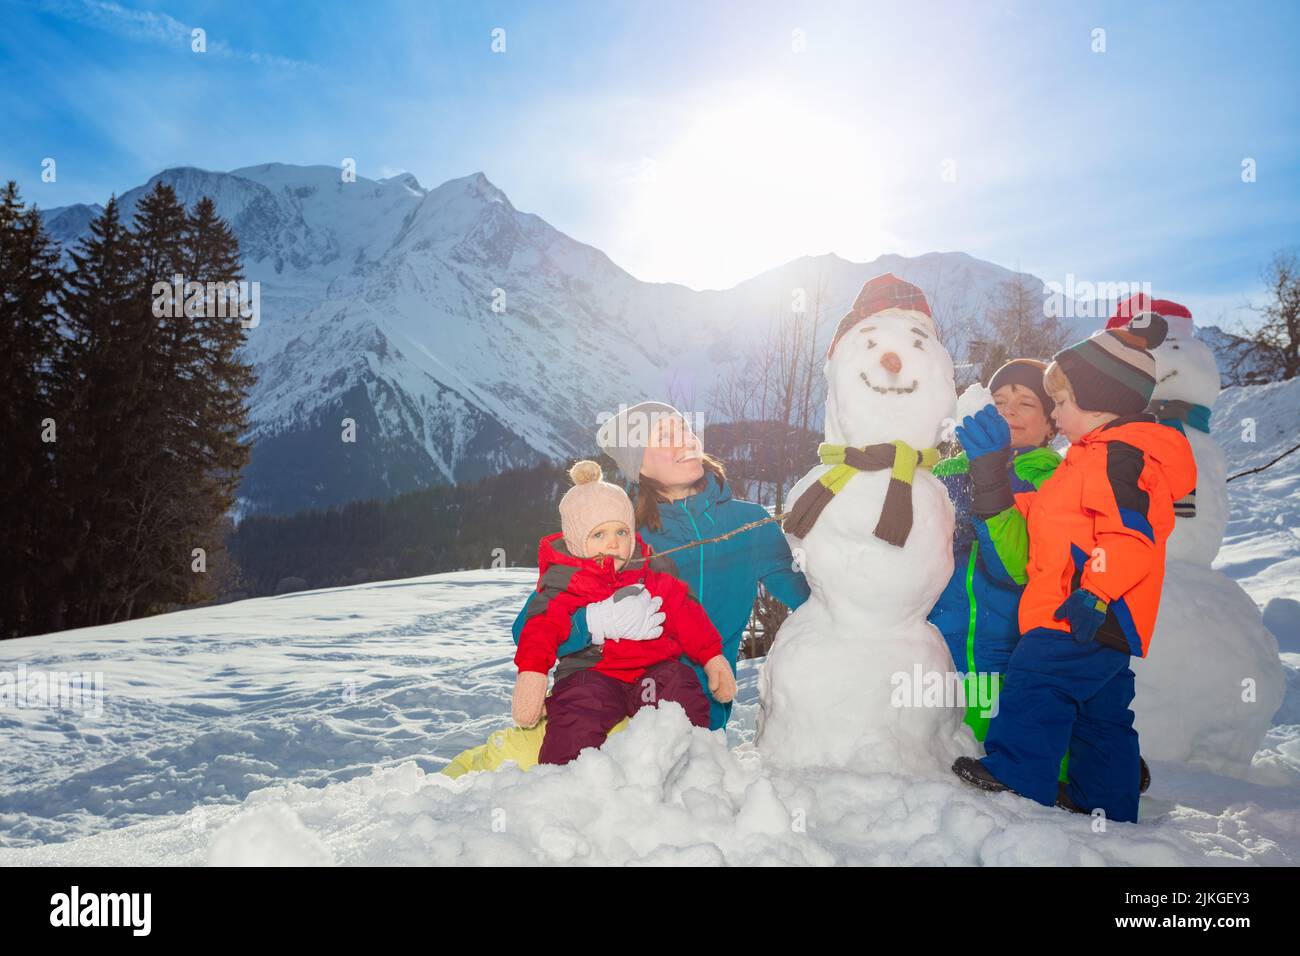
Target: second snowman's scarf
1178, 414
895, 516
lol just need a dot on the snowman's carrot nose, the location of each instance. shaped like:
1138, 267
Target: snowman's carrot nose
892, 363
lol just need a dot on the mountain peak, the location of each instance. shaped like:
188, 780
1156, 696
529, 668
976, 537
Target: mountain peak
478, 186
404, 179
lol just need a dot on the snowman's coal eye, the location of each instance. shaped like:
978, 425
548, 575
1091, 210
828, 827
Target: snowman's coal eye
917, 345
871, 343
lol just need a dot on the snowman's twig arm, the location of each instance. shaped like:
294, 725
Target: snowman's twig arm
1252, 471
723, 537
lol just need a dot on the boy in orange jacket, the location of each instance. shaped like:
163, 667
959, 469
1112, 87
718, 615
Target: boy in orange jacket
1095, 533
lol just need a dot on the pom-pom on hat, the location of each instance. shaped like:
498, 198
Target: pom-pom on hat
590, 503
1113, 370
880, 294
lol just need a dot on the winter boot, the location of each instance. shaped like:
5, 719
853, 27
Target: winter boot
973, 772
1065, 803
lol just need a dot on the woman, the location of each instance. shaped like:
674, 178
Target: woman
681, 496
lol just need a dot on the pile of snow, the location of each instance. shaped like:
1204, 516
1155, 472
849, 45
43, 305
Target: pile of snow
665, 792
310, 727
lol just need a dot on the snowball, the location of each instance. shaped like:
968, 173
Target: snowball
972, 400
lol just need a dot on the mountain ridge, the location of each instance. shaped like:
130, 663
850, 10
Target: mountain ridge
464, 336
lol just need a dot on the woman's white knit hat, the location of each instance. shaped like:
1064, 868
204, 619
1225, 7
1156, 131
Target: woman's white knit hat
626, 436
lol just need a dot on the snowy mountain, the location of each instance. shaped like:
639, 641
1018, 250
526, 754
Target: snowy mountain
464, 336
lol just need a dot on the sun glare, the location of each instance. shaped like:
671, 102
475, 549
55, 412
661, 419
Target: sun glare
750, 186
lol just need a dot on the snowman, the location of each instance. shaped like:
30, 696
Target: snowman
1187, 383
872, 530
1212, 680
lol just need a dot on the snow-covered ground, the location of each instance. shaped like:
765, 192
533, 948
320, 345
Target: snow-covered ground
1261, 549
309, 728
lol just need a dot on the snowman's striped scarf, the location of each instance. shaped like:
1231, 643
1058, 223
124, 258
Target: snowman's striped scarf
900, 458
1178, 414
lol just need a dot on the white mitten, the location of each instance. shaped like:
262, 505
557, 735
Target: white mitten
631, 614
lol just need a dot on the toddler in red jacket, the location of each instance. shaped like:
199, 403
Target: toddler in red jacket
590, 560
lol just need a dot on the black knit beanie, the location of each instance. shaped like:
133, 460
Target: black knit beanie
1027, 372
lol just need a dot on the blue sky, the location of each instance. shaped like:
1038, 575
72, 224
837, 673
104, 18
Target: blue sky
696, 142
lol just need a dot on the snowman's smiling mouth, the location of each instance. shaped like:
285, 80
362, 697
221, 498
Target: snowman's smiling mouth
1167, 377
887, 389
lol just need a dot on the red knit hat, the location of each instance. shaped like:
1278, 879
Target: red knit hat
1177, 317
1125, 311
880, 294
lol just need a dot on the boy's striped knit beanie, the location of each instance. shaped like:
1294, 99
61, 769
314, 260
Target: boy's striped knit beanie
1113, 370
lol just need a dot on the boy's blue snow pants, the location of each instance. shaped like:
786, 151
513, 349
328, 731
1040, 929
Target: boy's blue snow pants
1059, 694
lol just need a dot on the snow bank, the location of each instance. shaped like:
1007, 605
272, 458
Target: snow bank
666, 793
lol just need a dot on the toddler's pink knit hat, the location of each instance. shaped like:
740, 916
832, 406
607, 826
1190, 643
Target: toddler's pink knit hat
590, 503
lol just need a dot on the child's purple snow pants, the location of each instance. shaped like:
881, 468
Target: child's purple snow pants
584, 706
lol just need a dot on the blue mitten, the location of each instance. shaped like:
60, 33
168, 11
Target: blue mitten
984, 433
987, 440
1085, 612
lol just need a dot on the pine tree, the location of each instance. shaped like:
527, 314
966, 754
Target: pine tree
98, 375
220, 377
149, 402
29, 280
164, 474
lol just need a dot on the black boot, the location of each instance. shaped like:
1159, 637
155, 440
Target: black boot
973, 772
1144, 781
1064, 802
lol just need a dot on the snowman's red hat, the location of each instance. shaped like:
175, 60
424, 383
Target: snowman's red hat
884, 293
1176, 316
1128, 309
